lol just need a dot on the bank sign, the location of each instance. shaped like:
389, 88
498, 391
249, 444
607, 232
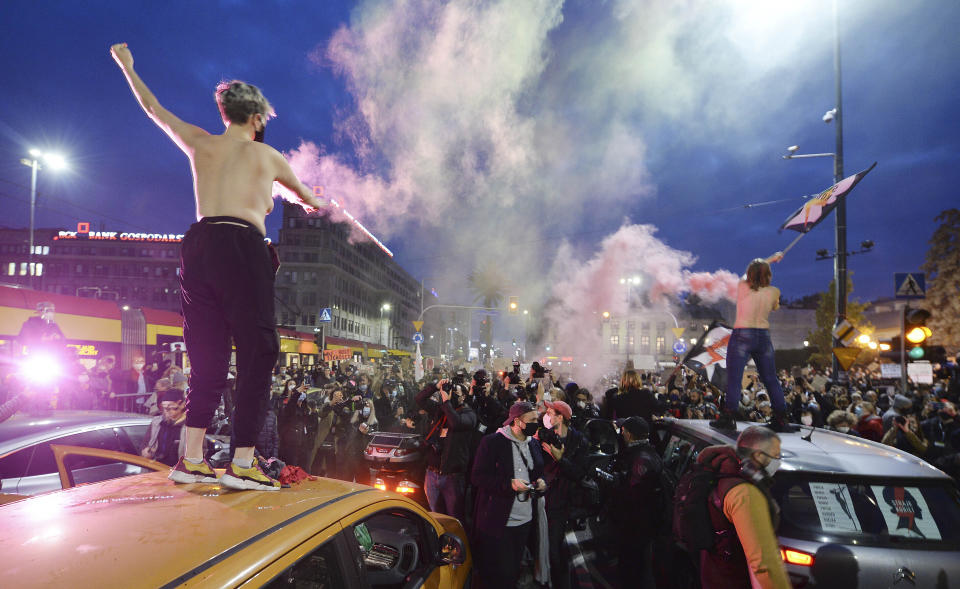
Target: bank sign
83, 232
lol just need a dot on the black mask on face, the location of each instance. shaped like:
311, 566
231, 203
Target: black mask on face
258, 133
530, 428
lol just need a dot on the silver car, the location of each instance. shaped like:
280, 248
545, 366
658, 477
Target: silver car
27, 464
854, 513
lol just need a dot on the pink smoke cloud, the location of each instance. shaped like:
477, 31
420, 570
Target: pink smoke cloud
583, 290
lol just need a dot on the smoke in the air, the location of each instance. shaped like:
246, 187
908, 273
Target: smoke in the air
492, 130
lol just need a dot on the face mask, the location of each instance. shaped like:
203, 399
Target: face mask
547, 396
772, 467
393, 394
547, 421
291, 386
258, 135
806, 420
582, 404
843, 429
365, 412
363, 388
530, 428
138, 366
858, 410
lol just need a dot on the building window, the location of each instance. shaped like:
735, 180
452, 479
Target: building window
644, 344
614, 343
23, 268
661, 327
631, 326
645, 326
630, 343
12, 268
661, 344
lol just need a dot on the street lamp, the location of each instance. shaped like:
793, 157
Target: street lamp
383, 307
56, 162
835, 115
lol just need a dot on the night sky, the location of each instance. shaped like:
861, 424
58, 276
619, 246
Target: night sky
464, 132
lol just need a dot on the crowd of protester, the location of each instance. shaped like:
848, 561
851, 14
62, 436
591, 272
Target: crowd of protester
321, 419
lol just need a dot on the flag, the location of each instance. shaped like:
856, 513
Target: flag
816, 209
709, 356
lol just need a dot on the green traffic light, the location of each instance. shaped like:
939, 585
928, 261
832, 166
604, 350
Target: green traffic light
916, 353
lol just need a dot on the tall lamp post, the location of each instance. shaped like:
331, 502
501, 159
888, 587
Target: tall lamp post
383, 307
56, 162
835, 115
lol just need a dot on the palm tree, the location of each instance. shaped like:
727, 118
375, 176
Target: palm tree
488, 286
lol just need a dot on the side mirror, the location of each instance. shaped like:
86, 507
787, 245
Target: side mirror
452, 551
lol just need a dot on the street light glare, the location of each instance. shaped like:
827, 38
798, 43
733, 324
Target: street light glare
55, 160
35, 152
385, 306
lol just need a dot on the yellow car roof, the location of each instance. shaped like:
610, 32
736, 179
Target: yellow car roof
146, 531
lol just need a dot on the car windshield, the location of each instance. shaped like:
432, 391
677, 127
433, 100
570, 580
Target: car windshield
868, 510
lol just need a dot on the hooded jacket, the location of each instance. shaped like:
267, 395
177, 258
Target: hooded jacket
492, 474
753, 514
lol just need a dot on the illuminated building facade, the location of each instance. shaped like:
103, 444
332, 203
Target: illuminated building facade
322, 268
138, 269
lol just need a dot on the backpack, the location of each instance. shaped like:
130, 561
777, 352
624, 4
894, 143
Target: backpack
692, 525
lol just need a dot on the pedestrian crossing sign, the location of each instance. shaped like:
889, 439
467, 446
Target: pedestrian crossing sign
325, 316
909, 285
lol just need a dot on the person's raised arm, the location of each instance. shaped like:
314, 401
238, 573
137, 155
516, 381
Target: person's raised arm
285, 176
776, 257
183, 134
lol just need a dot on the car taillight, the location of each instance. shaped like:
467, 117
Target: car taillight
379, 484
370, 450
402, 451
406, 487
797, 557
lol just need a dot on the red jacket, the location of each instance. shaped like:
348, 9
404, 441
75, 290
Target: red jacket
870, 427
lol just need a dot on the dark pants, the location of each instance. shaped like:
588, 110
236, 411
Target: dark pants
499, 559
226, 290
743, 345
445, 493
559, 552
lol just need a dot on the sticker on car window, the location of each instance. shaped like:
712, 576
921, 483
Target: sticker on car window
906, 512
362, 534
835, 507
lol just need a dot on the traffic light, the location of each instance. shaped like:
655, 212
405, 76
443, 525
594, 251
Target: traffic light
513, 305
916, 333
318, 338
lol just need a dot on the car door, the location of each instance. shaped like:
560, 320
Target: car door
395, 548
33, 470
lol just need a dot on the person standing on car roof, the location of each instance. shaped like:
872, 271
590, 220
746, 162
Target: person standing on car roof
751, 339
744, 515
448, 445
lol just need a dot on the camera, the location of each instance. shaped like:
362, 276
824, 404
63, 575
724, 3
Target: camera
548, 436
604, 476
900, 419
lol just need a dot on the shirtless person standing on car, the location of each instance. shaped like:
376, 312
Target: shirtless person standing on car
226, 270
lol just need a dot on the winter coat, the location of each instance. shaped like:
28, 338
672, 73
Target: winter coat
492, 475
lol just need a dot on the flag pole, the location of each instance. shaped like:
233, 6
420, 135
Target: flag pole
793, 243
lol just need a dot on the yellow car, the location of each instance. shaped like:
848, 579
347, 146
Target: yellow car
146, 531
